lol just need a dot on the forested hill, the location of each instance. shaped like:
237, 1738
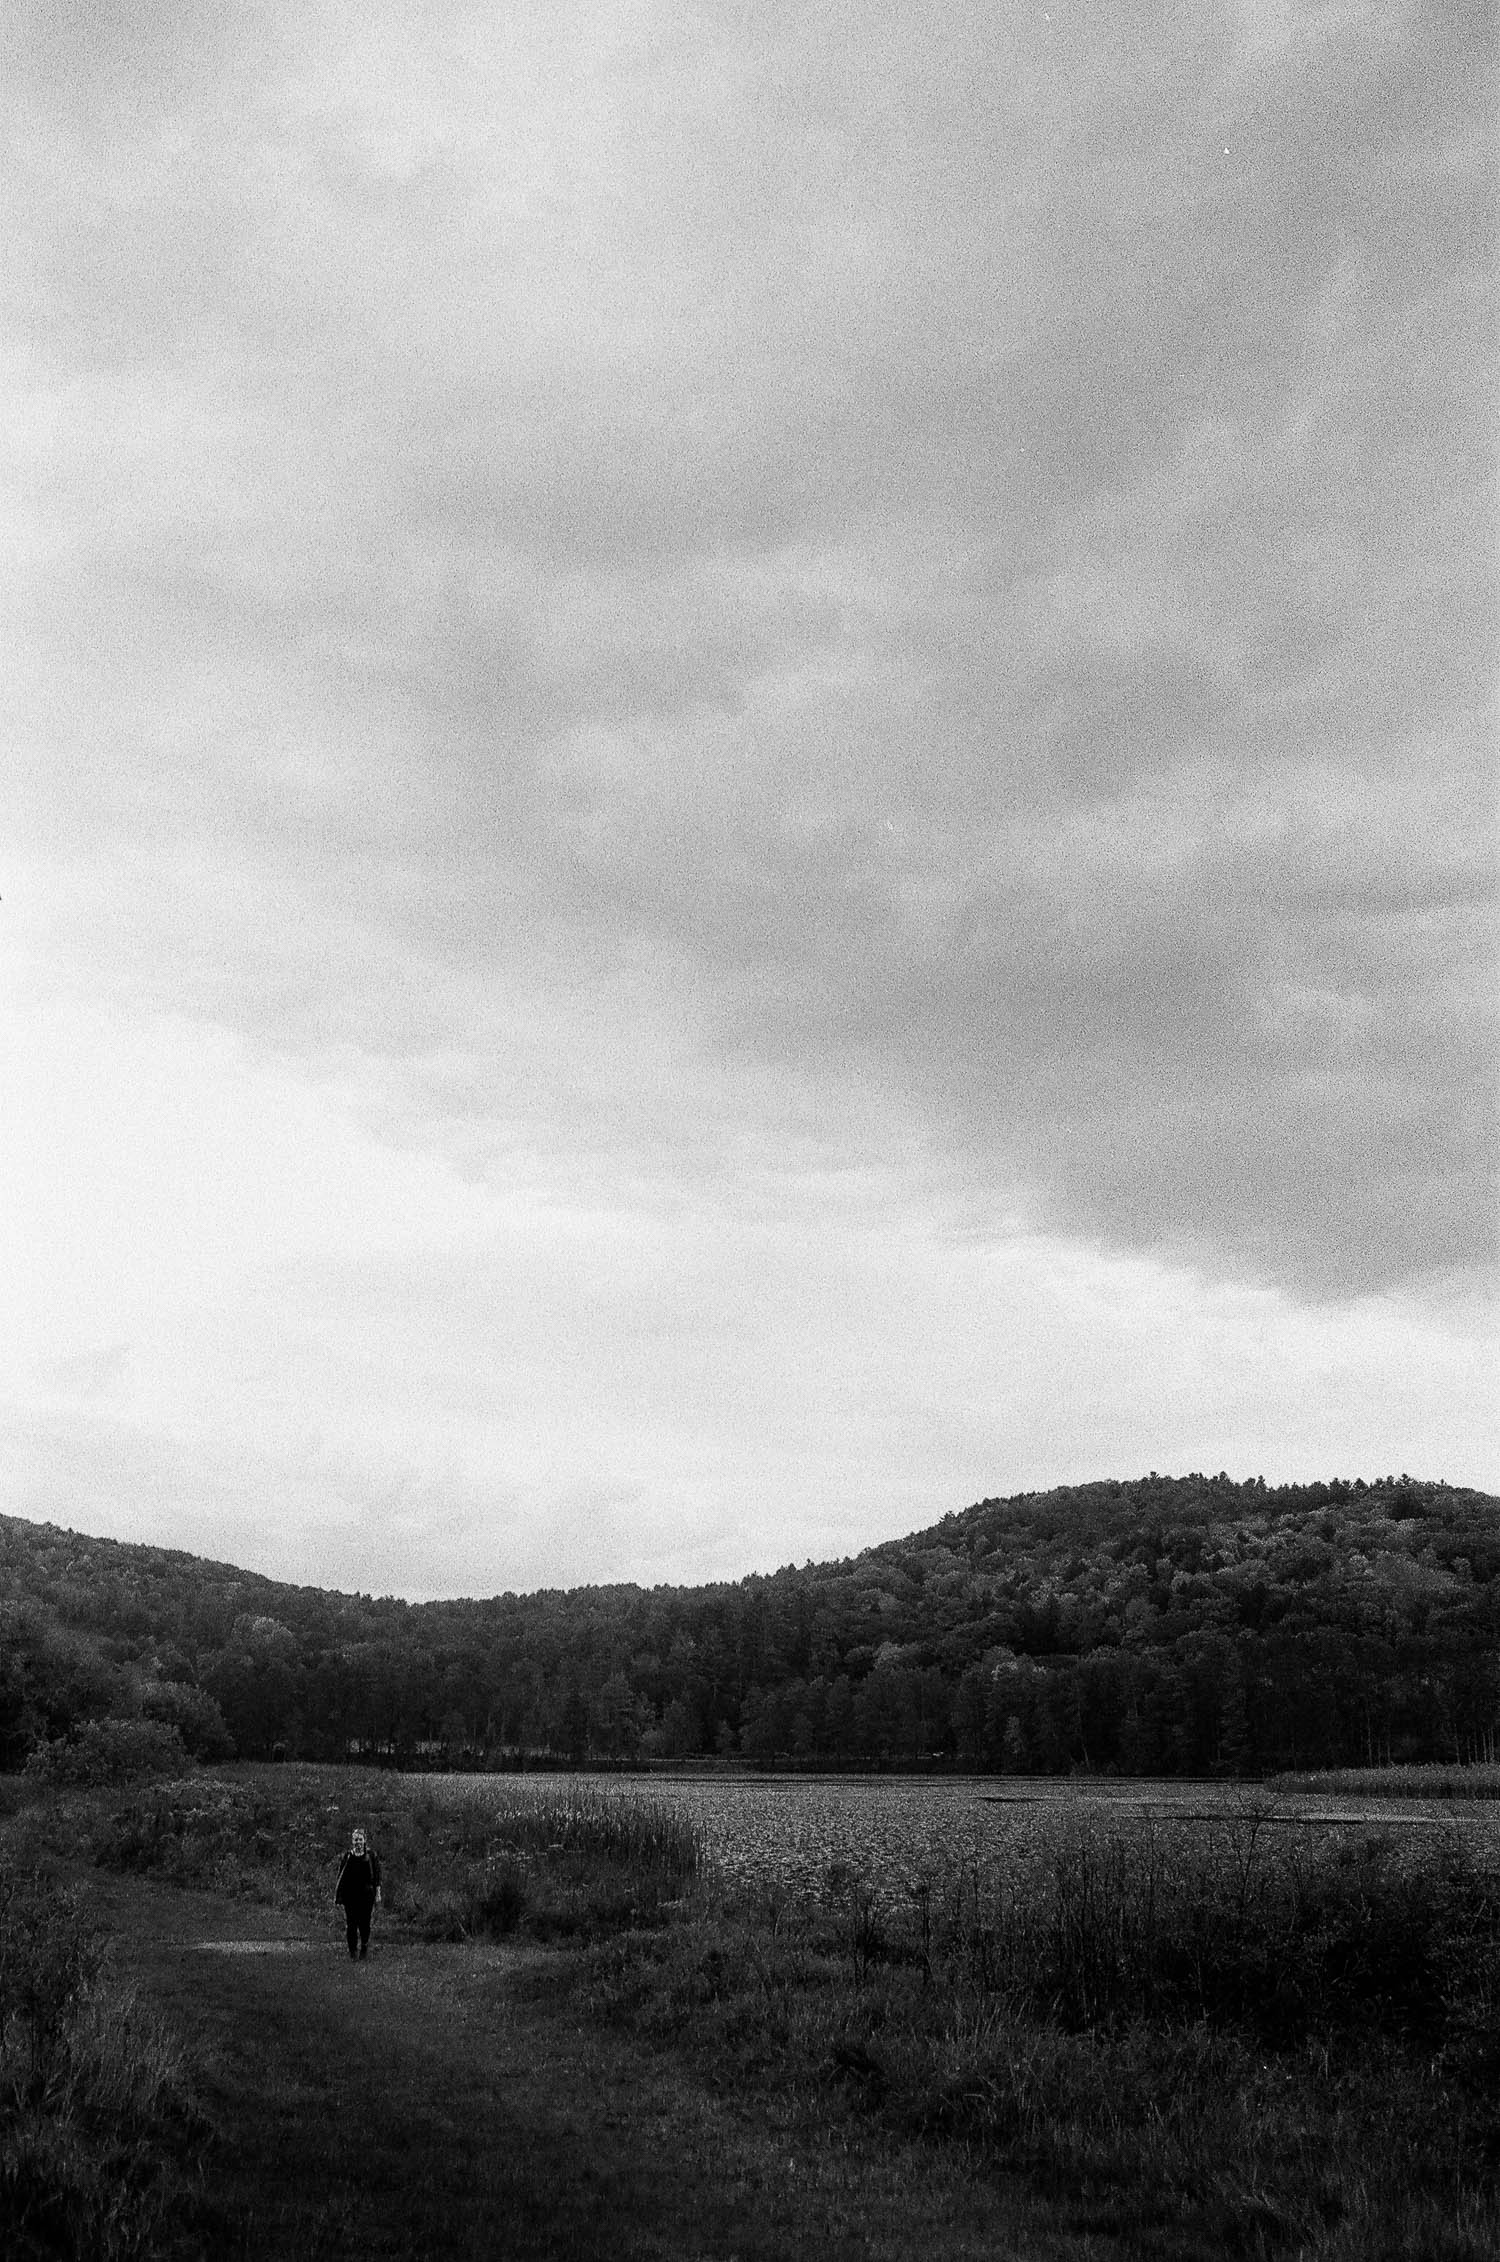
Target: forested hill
1160, 1625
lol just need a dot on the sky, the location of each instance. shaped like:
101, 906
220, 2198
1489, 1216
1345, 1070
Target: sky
747, 769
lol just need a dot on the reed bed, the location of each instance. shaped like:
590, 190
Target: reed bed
1469, 1779
642, 1834
556, 1863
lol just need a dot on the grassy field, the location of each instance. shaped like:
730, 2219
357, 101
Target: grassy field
578, 2035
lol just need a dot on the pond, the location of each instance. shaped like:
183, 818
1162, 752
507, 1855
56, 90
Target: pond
786, 1831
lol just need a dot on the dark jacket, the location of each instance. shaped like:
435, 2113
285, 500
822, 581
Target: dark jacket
359, 1878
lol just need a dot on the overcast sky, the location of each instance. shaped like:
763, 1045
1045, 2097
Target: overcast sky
748, 768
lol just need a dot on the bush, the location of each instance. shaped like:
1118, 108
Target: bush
498, 1901
184, 1830
194, 1714
109, 1751
488, 1903
441, 1916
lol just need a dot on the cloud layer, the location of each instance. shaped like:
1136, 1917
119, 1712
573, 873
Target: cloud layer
678, 604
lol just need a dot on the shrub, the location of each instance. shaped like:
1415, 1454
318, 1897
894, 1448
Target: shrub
488, 1902
498, 1901
109, 1751
193, 1713
440, 1917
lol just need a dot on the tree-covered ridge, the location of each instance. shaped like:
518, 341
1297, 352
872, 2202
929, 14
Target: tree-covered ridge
1160, 1625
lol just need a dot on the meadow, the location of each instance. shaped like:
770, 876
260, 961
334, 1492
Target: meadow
1158, 2020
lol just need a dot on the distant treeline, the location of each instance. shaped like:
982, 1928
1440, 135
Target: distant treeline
1160, 1626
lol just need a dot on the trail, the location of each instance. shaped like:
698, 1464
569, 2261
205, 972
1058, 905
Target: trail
442, 2102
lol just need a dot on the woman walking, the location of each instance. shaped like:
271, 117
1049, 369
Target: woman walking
357, 1891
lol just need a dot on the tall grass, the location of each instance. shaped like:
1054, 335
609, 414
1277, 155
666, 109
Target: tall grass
1235, 1926
1202, 2045
457, 1862
644, 1835
560, 1864
94, 2102
1471, 1779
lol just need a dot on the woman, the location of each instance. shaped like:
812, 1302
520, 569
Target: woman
357, 1891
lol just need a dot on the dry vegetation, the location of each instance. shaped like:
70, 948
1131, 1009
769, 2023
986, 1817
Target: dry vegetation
1190, 2041
1476, 1779
97, 2118
1243, 2043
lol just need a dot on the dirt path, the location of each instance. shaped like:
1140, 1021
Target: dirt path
449, 2101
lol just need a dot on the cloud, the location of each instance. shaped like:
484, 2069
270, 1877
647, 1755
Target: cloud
91, 1375
695, 603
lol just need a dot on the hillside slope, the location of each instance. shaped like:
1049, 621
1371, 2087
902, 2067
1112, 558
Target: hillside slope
1156, 1625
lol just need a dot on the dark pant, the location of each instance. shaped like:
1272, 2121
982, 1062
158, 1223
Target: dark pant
357, 1925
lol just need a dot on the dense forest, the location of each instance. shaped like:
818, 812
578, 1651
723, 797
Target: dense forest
1159, 1626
